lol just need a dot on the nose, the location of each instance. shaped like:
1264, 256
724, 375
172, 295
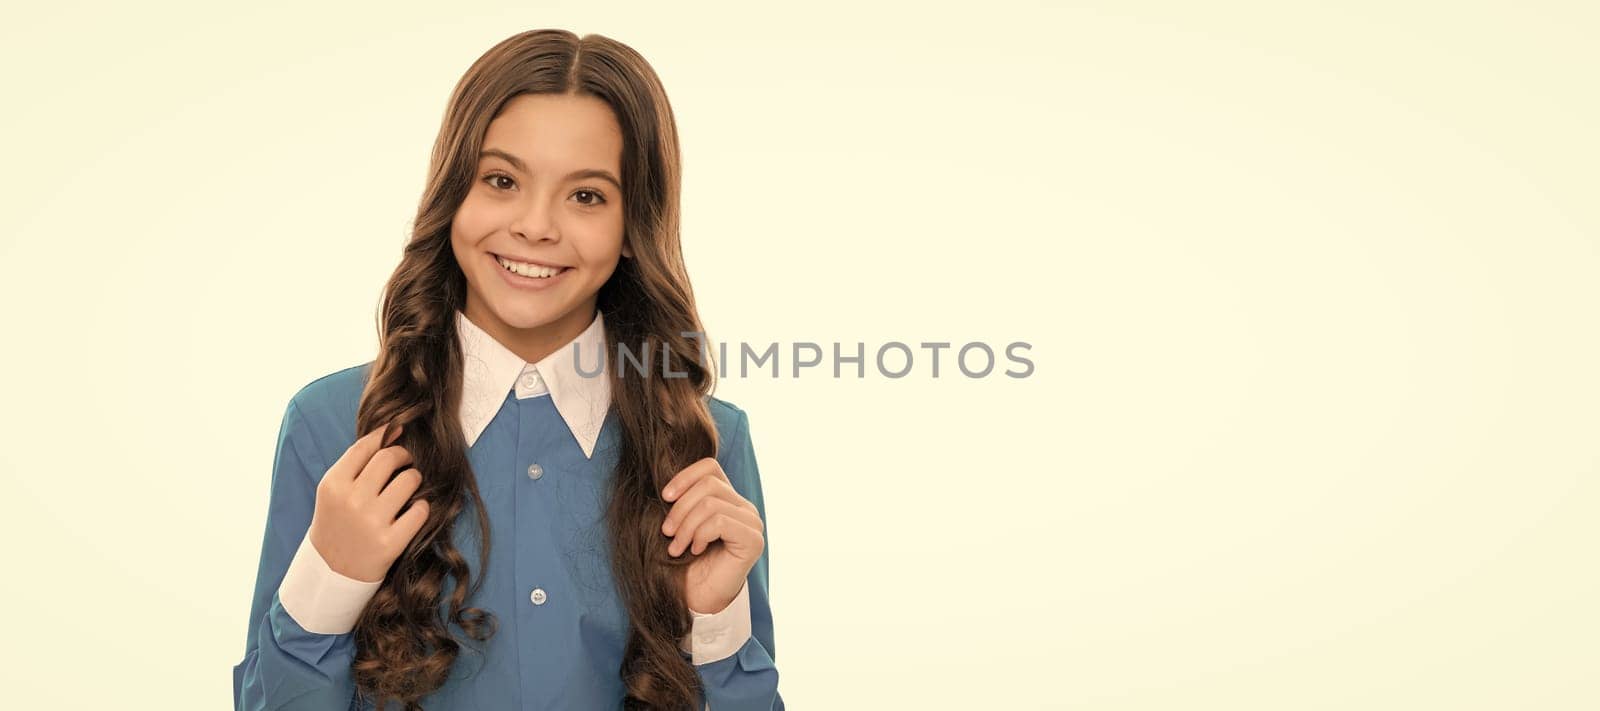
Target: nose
535, 223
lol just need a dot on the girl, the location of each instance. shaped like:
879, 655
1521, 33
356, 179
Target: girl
543, 278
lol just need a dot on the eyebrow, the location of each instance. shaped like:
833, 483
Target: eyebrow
519, 165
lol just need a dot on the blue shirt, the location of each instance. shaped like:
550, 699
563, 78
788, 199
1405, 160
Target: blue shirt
560, 625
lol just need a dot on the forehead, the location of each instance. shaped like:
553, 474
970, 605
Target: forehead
558, 132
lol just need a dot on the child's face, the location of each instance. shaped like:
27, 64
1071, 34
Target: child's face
540, 212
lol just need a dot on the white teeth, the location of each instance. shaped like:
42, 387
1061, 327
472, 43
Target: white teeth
527, 270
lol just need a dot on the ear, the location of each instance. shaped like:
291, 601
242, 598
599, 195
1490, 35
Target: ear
627, 251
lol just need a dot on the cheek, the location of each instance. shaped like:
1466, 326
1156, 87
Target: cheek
468, 222
602, 246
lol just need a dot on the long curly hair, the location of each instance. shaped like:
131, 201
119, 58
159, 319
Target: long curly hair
404, 648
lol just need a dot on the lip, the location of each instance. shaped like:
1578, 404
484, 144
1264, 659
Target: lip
517, 281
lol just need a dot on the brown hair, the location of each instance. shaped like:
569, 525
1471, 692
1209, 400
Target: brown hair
404, 650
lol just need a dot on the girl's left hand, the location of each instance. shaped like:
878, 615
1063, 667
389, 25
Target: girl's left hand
706, 508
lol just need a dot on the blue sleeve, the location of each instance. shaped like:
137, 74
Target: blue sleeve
285, 666
748, 680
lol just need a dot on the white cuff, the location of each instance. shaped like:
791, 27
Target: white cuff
717, 635
320, 599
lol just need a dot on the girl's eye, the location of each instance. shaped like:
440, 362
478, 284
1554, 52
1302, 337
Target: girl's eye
492, 177
595, 198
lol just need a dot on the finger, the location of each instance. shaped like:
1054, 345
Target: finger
692, 518
742, 541
707, 510
744, 512
377, 473
411, 521
706, 486
357, 455
398, 492
685, 479
712, 530
720, 507
736, 536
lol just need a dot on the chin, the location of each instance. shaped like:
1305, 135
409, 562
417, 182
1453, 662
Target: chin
521, 314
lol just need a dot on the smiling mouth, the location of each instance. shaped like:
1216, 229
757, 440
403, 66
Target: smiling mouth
531, 271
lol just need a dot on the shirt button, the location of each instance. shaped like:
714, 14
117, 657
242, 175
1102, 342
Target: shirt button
530, 380
535, 471
537, 596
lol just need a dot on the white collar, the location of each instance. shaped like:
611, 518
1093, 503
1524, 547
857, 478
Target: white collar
489, 369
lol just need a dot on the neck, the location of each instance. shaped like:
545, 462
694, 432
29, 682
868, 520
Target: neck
535, 343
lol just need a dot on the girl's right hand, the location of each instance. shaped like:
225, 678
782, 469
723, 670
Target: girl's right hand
353, 526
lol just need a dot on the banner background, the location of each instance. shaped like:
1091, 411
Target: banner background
1310, 291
